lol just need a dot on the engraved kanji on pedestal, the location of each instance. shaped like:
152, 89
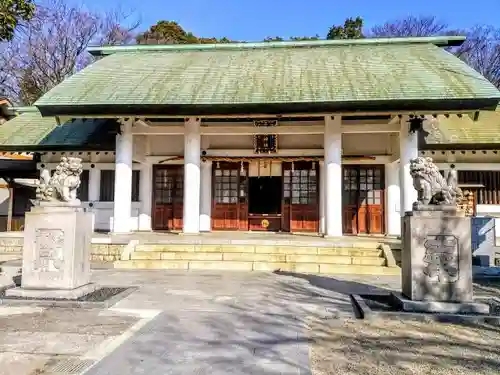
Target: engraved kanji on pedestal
441, 258
49, 251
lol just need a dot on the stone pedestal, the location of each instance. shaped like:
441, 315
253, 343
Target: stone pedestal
436, 259
437, 262
57, 240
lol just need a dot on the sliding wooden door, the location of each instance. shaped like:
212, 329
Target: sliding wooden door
230, 196
363, 199
300, 197
168, 197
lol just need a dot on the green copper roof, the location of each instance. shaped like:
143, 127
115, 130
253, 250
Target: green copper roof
30, 131
463, 130
359, 74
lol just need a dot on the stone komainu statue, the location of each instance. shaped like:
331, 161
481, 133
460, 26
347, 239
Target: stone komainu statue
431, 186
63, 184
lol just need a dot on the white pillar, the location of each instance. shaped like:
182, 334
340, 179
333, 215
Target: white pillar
192, 143
145, 196
333, 176
94, 191
322, 197
408, 149
206, 196
123, 179
393, 199
94, 184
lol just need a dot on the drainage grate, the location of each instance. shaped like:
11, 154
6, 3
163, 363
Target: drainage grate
70, 367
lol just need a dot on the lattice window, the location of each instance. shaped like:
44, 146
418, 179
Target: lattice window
362, 186
230, 185
490, 192
300, 186
265, 143
82, 192
169, 186
350, 187
370, 186
107, 187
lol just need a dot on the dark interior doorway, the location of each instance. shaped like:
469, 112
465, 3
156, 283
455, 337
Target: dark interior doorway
265, 195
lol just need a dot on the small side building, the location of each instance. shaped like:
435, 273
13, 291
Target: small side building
16, 168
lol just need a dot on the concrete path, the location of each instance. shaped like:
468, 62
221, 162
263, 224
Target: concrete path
223, 322
239, 323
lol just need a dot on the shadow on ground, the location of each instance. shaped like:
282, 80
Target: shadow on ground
392, 346
266, 323
389, 346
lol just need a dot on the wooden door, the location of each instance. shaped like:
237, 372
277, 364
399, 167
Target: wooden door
230, 196
363, 199
300, 197
168, 182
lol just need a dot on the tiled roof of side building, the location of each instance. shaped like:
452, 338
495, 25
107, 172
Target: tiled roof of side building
456, 129
387, 74
29, 131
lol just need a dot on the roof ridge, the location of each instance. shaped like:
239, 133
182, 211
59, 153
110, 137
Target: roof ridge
441, 41
25, 109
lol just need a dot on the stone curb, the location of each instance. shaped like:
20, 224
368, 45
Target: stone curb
388, 255
365, 312
361, 309
128, 249
71, 304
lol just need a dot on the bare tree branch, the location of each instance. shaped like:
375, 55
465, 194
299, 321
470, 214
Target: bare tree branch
410, 26
481, 51
53, 46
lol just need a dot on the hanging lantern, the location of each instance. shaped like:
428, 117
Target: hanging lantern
293, 167
242, 170
218, 165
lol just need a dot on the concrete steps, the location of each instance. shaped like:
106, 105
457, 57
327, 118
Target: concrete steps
355, 258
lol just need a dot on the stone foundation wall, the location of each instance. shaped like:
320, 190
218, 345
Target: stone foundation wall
105, 252
12, 248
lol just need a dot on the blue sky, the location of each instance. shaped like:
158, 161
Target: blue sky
254, 20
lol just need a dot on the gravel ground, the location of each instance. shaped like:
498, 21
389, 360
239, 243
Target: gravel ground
387, 346
33, 338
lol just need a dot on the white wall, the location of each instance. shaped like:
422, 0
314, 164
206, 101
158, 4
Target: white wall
166, 145
491, 210
236, 142
366, 144
307, 141
103, 215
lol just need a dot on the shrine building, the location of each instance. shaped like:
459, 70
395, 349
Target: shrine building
311, 136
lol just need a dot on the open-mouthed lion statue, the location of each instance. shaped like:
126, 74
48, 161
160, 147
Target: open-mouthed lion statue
431, 186
63, 184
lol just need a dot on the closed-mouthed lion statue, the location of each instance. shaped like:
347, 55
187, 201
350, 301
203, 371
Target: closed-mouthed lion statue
431, 186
